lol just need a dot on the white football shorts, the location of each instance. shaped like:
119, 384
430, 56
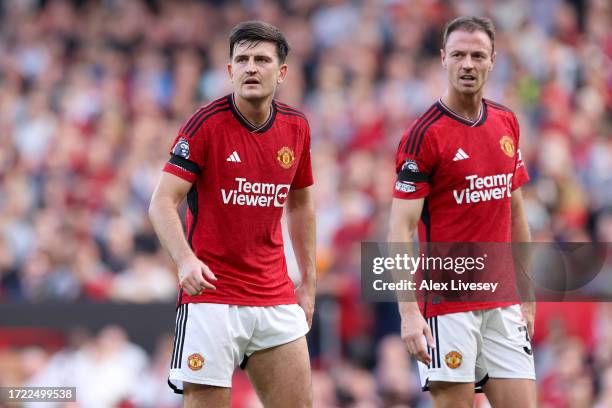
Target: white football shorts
212, 339
475, 346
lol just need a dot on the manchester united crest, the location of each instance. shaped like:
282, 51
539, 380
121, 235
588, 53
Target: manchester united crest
507, 145
453, 359
285, 157
196, 361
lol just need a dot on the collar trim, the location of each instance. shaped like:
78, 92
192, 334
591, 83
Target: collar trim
482, 114
246, 123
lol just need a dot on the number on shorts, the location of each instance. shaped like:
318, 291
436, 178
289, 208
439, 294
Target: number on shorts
527, 349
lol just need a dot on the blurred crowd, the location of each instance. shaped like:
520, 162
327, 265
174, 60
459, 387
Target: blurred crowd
93, 93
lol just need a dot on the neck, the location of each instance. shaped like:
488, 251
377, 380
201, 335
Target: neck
466, 105
257, 112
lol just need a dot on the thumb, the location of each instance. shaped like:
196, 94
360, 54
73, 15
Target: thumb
429, 336
207, 272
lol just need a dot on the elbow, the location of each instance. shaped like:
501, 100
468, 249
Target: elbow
151, 210
153, 207
400, 232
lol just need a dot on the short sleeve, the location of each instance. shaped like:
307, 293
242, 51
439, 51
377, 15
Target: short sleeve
414, 164
187, 154
520, 176
303, 175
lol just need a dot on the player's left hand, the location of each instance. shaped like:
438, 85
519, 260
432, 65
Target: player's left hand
305, 294
528, 309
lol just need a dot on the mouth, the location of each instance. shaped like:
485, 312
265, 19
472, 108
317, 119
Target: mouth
251, 81
468, 78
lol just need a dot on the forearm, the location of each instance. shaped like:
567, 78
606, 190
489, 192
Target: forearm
169, 229
520, 227
402, 233
521, 238
302, 231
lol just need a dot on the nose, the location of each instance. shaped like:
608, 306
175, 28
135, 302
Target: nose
468, 64
251, 67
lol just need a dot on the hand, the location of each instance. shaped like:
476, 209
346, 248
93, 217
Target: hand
195, 276
528, 309
414, 327
305, 294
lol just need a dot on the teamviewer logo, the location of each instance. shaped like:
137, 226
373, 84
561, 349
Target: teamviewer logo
282, 190
255, 194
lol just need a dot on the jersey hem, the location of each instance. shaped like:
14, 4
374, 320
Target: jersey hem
279, 302
471, 308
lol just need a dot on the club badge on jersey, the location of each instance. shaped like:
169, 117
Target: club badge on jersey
507, 145
285, 157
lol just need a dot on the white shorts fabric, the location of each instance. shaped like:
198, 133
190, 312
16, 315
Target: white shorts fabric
212, 339
475, 346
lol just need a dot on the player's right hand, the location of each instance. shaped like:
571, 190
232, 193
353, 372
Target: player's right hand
414, 327
194, 276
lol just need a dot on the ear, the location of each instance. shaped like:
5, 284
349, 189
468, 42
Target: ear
492, 61
442, 58
282, 73
229, 72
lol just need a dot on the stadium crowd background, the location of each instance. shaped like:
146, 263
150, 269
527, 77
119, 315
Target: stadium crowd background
93, 93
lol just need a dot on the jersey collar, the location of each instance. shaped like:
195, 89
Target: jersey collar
482, 114
245, 122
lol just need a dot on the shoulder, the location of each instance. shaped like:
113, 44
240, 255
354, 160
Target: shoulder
503, 114
290, 114
499, 109
421, 129
428, 118
206, 115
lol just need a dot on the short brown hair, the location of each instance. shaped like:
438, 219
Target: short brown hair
470, 24
257, 31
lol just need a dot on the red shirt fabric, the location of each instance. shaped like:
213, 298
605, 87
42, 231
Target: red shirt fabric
466, 172
241, 177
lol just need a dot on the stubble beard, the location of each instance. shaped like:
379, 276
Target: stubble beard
256, 97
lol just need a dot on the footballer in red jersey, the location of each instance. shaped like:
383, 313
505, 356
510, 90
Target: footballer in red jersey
459, 172
240, 161
241, 176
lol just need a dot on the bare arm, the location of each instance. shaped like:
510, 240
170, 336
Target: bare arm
520, 233
403, 222
302, 230
169, 193
520, 228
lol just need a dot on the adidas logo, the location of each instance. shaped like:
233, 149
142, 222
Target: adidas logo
460, 155
234, 157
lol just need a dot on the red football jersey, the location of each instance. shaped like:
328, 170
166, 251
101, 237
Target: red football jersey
241, 177
466, 172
